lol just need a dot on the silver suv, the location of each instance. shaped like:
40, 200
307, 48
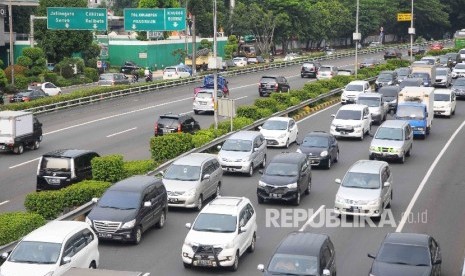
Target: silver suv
392, 140
378, 108
192, 179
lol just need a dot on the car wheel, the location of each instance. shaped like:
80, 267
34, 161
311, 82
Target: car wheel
402, 159
309, 187
218, 191
252, 244
199, 203
18, 149
260, 200
36, 145
362, 136
161, 221
251, 170
137, 235
297, 199
453, 112
235, 265
409, 151
287, 143
390, 201
337, 157
371, 157
328, 164
92, 265
263, 165
196, 112
186, 265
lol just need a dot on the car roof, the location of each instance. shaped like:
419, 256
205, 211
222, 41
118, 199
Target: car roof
245, 135
357, 82
70, 153
394, 123
407, 238
225, 205
270, 77
353, 107
387, 72
442, 91
194, 159
389, 87
289, 157
367, 166
411, 80
371, 95
318, 133
172, 116
136, 183
302, 243
282, 119
55, 231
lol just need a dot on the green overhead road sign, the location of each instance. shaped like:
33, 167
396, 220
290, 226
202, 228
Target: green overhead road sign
77, 19
173, 19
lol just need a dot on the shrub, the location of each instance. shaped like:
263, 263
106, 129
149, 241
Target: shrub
50, 77
201, 139
248, 111
21, 81
19, 70
269, 103
82, 192
108, 168
15, 225
264, 112
67, 72
302, 95
281, 98
169, 146
62, 82
91, 74
238, 123
138, 167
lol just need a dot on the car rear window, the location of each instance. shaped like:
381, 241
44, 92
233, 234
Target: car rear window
268, 80
325, 68
308, 65
54, 163
170, 70
106, 77
204, 94
168, 122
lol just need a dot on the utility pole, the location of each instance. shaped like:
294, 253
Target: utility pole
411, 32
215, 72
194, 50
12, 56
356, 37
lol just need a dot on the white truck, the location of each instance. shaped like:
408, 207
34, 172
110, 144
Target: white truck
416, 104
18, 130
419, 69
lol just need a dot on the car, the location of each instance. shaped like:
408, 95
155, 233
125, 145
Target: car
309, 69
443, 77
60, 168
392, 53
302, 253
252, 60
240, 61
327, 72
112, 79
437, 46
403, 73
425, 77
53, 249
458, 87
393, 140
462, 55
330, 51
28, 95
192, 179
365, 190
176, 72
351, 120
458, 71
389, 96
47, 87
369, 63
270, 84
228, 64
455, 58
378, 109
172, 123
445, 61
353, 89
286, 177
407, 254
129, 67
321, 148
242, 152
222, 232
102, 272
417, 50
129, 208
386, 78
345, 72
279, 131
433, 60
411, 81
204, 101
444, 102
374, 44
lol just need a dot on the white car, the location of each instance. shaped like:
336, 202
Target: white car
459, 70
444, 102
280, 131
352, 120
224, 230
327, 72
240, 61
175, 72
52, 250
290, 56
48, 87
353, 89
203, 101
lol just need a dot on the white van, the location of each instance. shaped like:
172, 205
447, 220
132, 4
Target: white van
175, 72
352, 120
444, 102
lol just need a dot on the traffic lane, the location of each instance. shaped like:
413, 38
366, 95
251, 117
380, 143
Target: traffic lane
439, 208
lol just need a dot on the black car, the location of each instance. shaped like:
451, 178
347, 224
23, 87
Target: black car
28, 95
129, 67
410, 81
459, 88
386, 78
60, 168
172, 123
270, 84
286, 177
417, 50
309, 69
427, 81
303, 253
455, 57
407, 254
392, 53
446, 61
390, 95
128, 208
321, 148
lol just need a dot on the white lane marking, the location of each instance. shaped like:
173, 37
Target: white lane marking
426, 178
318, 112
24, 163
121, 132
4, 202
240, 98
310, 220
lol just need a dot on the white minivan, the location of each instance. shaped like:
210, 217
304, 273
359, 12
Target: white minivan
352, 120
444, 102
175, 72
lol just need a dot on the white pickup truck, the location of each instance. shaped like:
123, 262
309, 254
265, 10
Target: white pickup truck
48, 87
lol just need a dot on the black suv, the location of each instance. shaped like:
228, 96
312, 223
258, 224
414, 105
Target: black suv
269, 84
128, 208
392, 53
129, 67
172, 123
309, 69
321, 148
61, 168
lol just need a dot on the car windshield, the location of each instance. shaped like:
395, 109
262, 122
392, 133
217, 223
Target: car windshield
170, 70
167, 122
36, 252
361, 180
388, 92
106, 77
460, 66
287, 264
428, 60
281, 169
460, 82
182, 172
441, 72
56, 164
442, 97
24, 94
237, 145
444, 59
275, 125
308, 65
315, 142
388, 133
423, 76
354, 87
204, 95
222, 223
349, 114
411, 82
123, 200
462, 52
409, 112
404, 254
369, 101
403, 72
385, 77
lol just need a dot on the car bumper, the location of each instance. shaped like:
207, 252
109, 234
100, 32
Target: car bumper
308, 74
278, 193
225, 258
443, 111
276, 142
182, 201
347, 100
119, 235
357, 210
385, 155
419, 131
241, 167
323, 77
203, 107
318, 161
356, 132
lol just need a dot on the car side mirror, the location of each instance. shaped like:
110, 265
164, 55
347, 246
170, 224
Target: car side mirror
337, 180
261, 267
333, 115
326, 272
147, 204
66, 260
207, 176
242, 229
371, 256
95, 199
218, 147
188, 225
386, 184
4, 255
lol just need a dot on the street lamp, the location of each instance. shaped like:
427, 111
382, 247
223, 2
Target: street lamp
411, 32
215, 71
357, 37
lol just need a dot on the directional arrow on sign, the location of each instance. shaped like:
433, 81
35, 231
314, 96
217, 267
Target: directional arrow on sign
67, 25
95, 26
134, 26
175, 24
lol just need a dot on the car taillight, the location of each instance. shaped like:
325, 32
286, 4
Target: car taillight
26, 99
156, 128
276, 87
179, 128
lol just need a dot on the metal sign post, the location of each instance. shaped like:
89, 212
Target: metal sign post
227, 108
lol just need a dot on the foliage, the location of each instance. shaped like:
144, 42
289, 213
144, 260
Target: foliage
138, 167
18, 70
90, 55
205, 44
21, 81
248, 111
238, 123
267, 103
180, 54
91, 73
168, 146
108, 168
15, 225
3, 79
50, 77
230, 47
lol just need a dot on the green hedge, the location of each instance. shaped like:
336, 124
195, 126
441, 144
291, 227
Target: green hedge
138, 167
108, 168
168, 146
15, 225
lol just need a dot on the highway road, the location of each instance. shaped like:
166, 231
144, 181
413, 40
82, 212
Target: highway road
439, 195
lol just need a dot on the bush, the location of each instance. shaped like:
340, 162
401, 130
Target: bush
91, 74
19, 70
264, 112
108, 168
50, 77
169, 146
282, 98
21, 81
248, 111
201, 139
15, 225
238, 123
67, 72
83, 192
268, 103
138, 167
62, 82
399, 63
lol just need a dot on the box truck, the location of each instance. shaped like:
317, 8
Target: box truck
415, 104
19, 130
418, 71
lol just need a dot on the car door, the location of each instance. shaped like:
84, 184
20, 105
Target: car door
408, 137
385, 191
332, 144
244, 237
51, 89
261, 144
366, 119
207, 186
147, 213
435, 256
453, 102
293, 131
74, 249
304, 172
332, 258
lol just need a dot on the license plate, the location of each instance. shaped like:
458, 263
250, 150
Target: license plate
275, 195
54, 181
203, 103
355, 209
104, 235
2, 147
205, 262
343, 132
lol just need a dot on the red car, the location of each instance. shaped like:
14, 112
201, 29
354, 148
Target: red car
437, 46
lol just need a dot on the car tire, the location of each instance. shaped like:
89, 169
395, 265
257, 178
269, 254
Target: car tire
263, 165
93, 265
137, 235
371, 157
218, 191
260, 200
287, 143
309, 187
337, 157
36, 145
186, 265
390, 201
297, 199
250, 173
235, 265
409, 152
328, 164
161, 222
199, 203
402, 159
18, 149
196, 112
362, 136
251, 247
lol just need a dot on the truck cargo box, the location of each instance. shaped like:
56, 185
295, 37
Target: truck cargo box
15, 124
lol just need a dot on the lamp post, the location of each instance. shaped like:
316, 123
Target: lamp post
411, 32
12, 56
356, 37
215, 70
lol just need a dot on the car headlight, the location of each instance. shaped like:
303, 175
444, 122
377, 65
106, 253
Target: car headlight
395, 150
190, 192
389, 83
343, 94
88, 221
292, 186
128, 225
373, 148
261, 184
340, 199
299, 151
324, 153
282, 136
373, 202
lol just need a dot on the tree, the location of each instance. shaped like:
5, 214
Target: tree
33, 58
91, 54
231, 47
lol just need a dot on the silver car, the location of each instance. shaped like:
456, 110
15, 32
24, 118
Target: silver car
192, 179
443, 77
242, 152
366, 189
393, 140
378, 108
